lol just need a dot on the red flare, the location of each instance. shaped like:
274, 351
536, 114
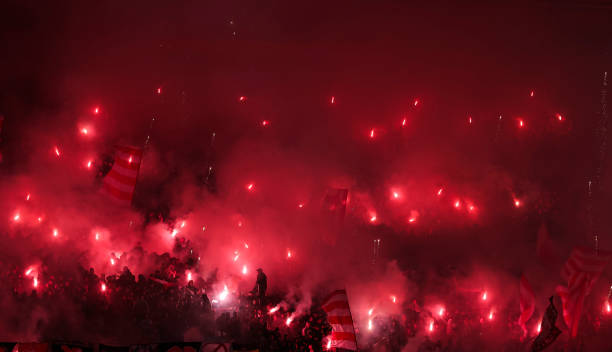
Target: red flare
412, 220
332, 100
395, 194
372, 218
521, 123
84, 130
288, 254
274, 309
491, 315
159, 90
55, 232
560, 117
457, 204
265, 123
96, 110
404, 122
28, 196
416, 102
470, 120
242, 99
328, 346
112, 261
244, 270
370, 326
35, 283
250, 187
484, 296
57, 151
531, 94
393, 299
539, 328
372, 133
189, 276
97, 236
130, 159
439, 193
182, 224
301, 205
441, 311
517, 203
89, 162
289, 320
28, 271
607, 307
103, 287
431, 326
16, 217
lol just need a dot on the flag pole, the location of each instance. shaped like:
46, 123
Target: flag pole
349, 309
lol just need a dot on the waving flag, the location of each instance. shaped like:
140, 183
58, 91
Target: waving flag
339, 317
581, 271
527, 302
548, 332
121, 179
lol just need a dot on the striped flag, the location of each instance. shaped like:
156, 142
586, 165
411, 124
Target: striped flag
121, 179
581, 271
527, 302
339, 317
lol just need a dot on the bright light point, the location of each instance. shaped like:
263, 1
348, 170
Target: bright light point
539, 328
416, 102
491, 315
55, 232
521, 123
608, 307
332, 100
431, 326
300, 205
288, 321
370, 311
103, 288
517, 203
531, 94
288, 254
224, 293
182, 224
28, 272
242, 99
16, 217
404, 121
471, 208
84, 131
28, 196
439, 193
372, 133
244, 270
174, 232
39, 219
239, 223
57, 151
97, 236
484, 296
441, 312
250, 187
35, 283
112, 261
393, 299
130, 159
457, 204
96, 110
203, 228
328, 346
470, 120
560, 117
265, 123
246, 245
373, 218
236, 257
274, 309
159, 90
396, 195
370, 324
189, 276
412, 220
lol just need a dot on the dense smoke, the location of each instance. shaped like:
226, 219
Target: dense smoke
454, 192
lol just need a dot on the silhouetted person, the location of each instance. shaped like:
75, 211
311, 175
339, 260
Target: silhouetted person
261, 285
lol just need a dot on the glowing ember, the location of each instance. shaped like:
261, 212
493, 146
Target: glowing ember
441, 312
539, 328
470, 120
393, 299
439, 193
242, 99
560, 117
103, 287
288, 254
457, 204
28, 271
28, 196
404, 122
55, 232
84, 131
491, 315
370, 324
332, 100
370, 311
130, 159
416, 102
517, 203
250, 187
96, 110
265, 123
484, 296
521, 123
373, 218
174, 232
607, 307
89, 162
531, 94
57, 151
372, 133
189, 276
431, 326
274, 309
244, 270
16, 217
289, 320
159, 90
35, 283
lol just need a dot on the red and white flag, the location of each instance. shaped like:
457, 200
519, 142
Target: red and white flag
527, 302
121, 179
581, 271
336, 306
